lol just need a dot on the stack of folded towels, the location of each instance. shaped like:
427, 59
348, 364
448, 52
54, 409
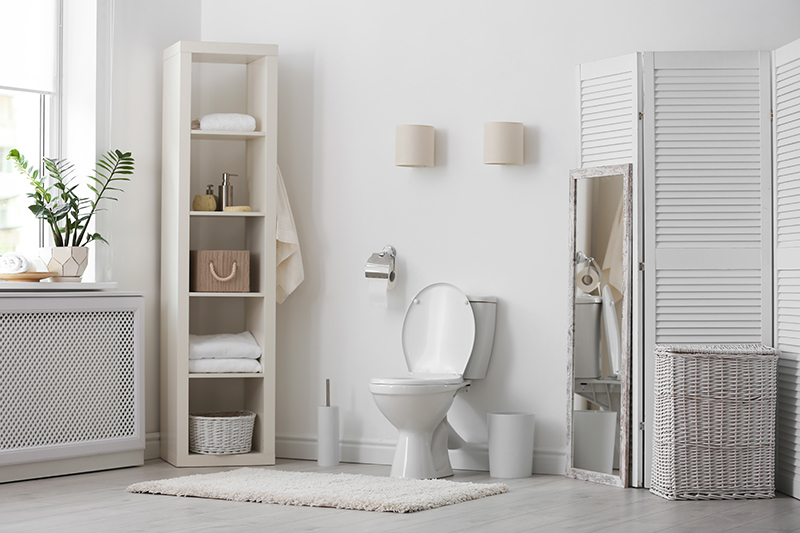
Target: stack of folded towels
224, 353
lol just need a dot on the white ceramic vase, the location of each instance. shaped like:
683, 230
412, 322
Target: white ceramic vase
68, 262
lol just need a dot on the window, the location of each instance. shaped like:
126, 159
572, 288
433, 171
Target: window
28, 94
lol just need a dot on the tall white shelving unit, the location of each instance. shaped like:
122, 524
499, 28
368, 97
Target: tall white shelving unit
202, 78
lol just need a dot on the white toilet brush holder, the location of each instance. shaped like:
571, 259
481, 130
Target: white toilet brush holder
327, 431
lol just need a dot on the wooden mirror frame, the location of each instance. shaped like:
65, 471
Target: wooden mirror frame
622, 480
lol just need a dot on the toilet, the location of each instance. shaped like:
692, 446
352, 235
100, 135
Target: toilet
447, 341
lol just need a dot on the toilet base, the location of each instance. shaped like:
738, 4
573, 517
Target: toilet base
423, 455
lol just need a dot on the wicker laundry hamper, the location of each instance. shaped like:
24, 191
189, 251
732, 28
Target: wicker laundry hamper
222, 433
714, 426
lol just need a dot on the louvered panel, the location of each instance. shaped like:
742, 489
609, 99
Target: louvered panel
608, 96
711, 112
787, 154
708, 307
786, 169
788, 312
788, 423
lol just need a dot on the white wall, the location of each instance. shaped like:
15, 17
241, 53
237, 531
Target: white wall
142, 30
349, 72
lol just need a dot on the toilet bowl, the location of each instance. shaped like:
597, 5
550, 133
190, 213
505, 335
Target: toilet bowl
447, 342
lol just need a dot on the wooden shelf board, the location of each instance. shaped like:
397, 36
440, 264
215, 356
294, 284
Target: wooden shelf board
214, 135
226, 214
238, 459
226, 295
226, 375
209, 52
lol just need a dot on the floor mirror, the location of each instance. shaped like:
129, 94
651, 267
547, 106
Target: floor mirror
599, 343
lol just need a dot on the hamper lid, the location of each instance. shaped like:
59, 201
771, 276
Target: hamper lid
719, 349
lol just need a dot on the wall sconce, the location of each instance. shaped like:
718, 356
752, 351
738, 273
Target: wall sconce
414, 145
503, 143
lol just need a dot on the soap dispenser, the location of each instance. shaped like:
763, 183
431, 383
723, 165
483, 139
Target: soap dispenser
205, 202
226, 191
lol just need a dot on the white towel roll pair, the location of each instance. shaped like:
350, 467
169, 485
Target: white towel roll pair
13, 263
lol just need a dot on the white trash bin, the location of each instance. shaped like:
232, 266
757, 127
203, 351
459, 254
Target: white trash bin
511, 444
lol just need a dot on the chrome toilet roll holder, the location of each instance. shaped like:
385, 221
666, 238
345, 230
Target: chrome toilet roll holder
580, 257
381, 265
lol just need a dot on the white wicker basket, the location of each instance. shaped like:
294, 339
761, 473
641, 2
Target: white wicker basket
714, 425
222, 433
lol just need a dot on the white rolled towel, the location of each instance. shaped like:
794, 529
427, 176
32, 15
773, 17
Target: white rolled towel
224, 346
219, 366
228, 122
13, 263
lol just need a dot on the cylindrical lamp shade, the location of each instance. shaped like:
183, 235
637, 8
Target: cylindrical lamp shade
415, 145
503, 143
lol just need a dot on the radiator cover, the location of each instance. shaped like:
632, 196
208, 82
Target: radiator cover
71, 380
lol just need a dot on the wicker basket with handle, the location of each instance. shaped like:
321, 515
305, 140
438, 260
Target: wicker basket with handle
714, 424
222, 433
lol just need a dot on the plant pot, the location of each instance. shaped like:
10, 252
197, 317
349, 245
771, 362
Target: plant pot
68, 262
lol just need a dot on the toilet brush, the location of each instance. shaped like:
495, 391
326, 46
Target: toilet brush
327, 431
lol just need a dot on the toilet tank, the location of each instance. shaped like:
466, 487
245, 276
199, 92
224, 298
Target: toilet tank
485, 310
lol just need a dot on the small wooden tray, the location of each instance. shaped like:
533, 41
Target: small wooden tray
27, 276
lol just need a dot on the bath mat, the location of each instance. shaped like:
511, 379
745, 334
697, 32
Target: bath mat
341, 491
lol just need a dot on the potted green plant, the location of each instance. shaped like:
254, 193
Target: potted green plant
56, 201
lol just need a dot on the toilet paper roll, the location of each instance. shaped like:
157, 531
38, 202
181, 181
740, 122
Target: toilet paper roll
327, 436
378, 292
587, 279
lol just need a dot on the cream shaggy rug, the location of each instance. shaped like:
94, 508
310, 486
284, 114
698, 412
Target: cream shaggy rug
342, 491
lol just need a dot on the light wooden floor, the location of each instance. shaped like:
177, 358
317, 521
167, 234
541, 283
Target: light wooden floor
98, 502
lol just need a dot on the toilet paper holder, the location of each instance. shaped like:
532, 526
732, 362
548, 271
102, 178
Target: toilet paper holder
381, 266
580, 257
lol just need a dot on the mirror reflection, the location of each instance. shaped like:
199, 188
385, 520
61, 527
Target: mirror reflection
599, 355
596, 359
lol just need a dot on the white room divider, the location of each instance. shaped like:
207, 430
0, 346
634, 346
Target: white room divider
703, 204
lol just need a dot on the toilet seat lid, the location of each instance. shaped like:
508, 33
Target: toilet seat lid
438, 331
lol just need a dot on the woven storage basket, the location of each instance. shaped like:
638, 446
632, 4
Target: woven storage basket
222, 433
714, 426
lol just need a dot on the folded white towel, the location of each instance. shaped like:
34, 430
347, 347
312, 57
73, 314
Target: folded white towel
213, 366
224, 346
13, 263
289, 273
228, 122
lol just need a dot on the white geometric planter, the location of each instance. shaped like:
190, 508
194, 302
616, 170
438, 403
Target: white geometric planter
68, 262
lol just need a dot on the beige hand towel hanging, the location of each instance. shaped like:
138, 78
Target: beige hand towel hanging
612, 262
289, 273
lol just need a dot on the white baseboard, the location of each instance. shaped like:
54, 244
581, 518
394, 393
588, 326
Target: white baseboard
472, 456
152, 445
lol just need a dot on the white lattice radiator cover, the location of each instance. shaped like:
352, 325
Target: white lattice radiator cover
70, 376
